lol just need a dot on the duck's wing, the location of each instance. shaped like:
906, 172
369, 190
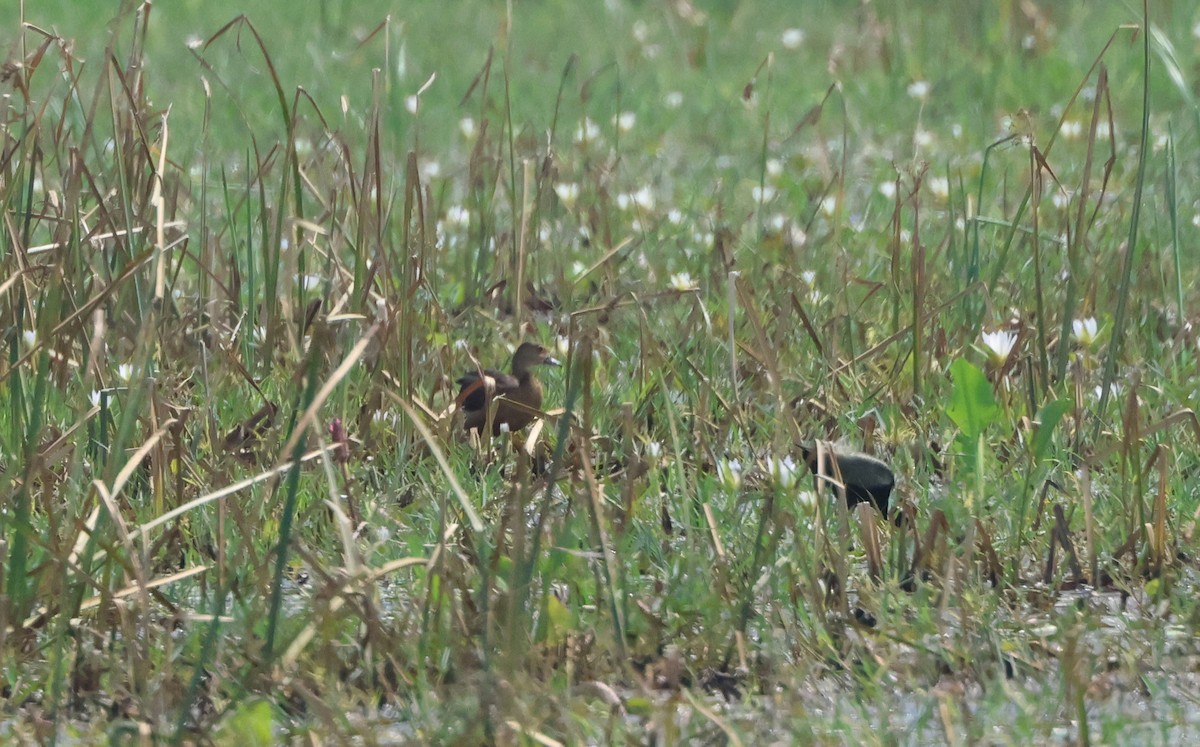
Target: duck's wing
474, 390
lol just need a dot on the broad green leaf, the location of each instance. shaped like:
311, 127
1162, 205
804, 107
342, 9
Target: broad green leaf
1048, 418
972, 403
248, 726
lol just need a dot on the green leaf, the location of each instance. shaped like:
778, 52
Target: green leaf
972, 403
560, 620
248, 726
1048, 418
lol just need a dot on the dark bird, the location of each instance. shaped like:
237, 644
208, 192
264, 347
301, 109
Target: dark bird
867, 479
518, 396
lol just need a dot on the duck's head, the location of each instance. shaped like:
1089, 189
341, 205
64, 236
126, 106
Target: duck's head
531, 354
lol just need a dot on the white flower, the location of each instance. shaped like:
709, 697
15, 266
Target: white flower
774, 167
783, 471
792, 38
673, 100
887, 189
567, 192
730, 473
1084, 331
586, 131
939, 186
125, 372
654, 450
682, 281
625, 121
762, 194
468, 128
457, 215
30, 336
411, 103
94, 398
919, 89
998, 345
808, 276
643, 198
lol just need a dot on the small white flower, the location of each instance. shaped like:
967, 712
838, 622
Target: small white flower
654, 450
468, 128
792, 38
919, 89
644, 198
783, 471
457, 215
762, 194
586, 131
30, 336
411, 103
730, 473
562, 344
939, 186
625, 121
567, 192
125, 372
673, 100
887, 189
1072, 129
682, 281
1084, 331
808, 276
829, 204
308, 282
774, 167
923, 138
94, 398
998, 345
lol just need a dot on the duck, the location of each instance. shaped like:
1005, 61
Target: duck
867, 479
518, 395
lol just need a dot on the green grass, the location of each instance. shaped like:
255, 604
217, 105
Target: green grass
739, 238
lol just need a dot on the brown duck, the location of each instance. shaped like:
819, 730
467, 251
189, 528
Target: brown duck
518, 396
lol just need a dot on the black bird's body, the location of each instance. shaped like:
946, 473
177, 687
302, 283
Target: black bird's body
867, 479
